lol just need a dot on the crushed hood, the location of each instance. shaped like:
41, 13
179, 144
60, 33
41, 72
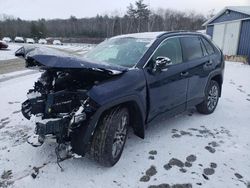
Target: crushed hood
47, 58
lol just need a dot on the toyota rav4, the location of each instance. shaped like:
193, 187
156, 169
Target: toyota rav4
126, 81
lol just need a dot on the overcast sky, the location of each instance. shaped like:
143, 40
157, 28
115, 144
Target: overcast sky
49, 9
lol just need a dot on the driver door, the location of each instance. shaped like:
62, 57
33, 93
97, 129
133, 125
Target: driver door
167, 88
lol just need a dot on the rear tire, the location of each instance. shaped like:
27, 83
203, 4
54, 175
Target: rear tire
211, 99
110, 137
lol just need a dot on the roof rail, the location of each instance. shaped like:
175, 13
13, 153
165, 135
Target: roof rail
170, 32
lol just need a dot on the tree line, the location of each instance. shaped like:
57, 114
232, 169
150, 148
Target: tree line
138, 18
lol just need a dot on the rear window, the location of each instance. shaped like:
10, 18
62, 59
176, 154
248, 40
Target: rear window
210, 49
191, 48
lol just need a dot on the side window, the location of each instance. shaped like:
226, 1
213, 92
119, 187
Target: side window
192, 48
170, 48
210, 49
204, 50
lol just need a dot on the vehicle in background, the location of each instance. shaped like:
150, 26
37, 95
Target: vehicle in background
3, 45
42, 41
19, 40
30, 41
57, 42
6, 39
49, 40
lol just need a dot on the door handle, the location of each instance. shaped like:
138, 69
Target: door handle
184, 74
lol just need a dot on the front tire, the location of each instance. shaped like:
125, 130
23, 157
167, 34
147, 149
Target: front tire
211, 98
110, 137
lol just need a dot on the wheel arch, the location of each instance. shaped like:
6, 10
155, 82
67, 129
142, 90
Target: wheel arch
136, 118
219, 79
216, 76
81, 138
136, 113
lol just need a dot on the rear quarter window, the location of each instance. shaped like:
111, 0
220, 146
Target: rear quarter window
192, 48
208, 46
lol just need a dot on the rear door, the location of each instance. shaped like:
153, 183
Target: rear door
167, 89
199, 66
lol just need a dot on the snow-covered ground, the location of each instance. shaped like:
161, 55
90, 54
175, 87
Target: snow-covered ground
74, 48
211, 151
9, 53
11, 75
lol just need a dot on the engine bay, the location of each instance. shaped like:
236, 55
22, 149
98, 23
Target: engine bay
58, 103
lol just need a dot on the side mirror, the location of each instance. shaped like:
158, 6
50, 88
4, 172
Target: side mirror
161, 63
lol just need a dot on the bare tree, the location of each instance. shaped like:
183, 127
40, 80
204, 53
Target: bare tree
138, 18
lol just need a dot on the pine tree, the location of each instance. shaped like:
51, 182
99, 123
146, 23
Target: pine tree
131, 12
139, 15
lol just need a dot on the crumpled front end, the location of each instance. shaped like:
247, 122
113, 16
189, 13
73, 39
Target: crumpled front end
57, 104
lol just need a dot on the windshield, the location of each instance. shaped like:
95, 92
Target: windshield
124, 51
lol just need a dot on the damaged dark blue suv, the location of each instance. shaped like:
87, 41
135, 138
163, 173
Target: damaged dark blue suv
129, 80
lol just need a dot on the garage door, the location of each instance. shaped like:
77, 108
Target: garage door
226, 36
231, 40
218, 34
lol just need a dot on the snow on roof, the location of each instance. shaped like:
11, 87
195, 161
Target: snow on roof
241, 9
145, 35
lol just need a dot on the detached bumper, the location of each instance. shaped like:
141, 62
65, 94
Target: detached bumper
54, 126
50, 128
57, 128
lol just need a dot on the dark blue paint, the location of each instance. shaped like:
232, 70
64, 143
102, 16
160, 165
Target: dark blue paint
244, 42
156, 94
167, 90
159, 94
229, 17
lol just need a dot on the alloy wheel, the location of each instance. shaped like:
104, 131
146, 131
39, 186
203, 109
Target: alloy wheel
120, 136
212, 99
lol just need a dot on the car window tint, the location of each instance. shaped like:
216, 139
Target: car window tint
210, 49
204, 50
191, 48
170, 48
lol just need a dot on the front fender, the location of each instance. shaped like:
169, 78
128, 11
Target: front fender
129, 87
81, 137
